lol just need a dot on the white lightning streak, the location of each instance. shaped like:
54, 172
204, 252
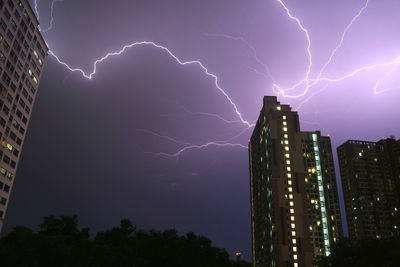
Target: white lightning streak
339, 45
149, 43
249, 46
210, 115
51, 15
378, 82
189, 146
198, 147
302, 28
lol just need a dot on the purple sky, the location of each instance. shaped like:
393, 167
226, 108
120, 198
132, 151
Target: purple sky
86, 148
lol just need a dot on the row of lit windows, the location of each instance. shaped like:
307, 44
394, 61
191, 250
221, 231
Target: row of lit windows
285, 143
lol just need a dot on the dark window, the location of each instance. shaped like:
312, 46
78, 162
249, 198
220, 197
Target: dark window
13, 135
3, 201
26, 45
24, 119
2, 122
10, 4
9, 98
16, 76
1, 214
6, 109
1, 185
12, 164
33, 90
6, 159
16, 152
27, 109
3, 24
7, 188
29, 36
24, 93
17, 15
13, 25
21, 102
7, 13
32, 27
30, 99
19, 141
10, 35
20, 5
19, 113
22, 130
13, 87
6, 78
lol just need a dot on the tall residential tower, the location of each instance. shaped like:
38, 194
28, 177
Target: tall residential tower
295, 214
22, 56
370, 173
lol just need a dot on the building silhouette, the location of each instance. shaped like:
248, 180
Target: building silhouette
295, 214
22, 56
370, 174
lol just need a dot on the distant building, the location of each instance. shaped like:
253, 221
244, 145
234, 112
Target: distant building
370, 173
22, 55
295, 214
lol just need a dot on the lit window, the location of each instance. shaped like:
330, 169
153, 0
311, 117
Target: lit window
292, 225
284, 123
287, 161
287, 155
286, 148
291, 203
292, 218
293, 233
285, 129
294, 240
289, 182
290, 189
278, 107
286, 136
288, 169
284, 117
289, 175
294, 249
290, 196
310, 228
291, 211
295, 264
295, 256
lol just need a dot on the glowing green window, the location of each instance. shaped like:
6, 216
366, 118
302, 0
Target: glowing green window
3, 171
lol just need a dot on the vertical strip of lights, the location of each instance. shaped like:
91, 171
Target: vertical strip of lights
252, 204
321, 195
267, 132
285, 142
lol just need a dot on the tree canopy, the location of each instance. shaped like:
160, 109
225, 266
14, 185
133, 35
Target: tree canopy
367, 252
59, 242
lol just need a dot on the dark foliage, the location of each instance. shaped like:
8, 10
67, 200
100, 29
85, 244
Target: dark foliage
368, 252
59, 242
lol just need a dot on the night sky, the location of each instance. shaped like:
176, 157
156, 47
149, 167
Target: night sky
91, 145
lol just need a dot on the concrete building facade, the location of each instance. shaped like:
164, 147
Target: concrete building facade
22, 56
295, 214
370, 182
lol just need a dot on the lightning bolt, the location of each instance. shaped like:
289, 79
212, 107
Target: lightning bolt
211, 115
51, 15
250, 47
305, 31
378, 82
189, 146
339, 45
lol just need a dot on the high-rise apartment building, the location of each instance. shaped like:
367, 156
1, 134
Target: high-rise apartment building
22, 56
370, 181
295, 214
